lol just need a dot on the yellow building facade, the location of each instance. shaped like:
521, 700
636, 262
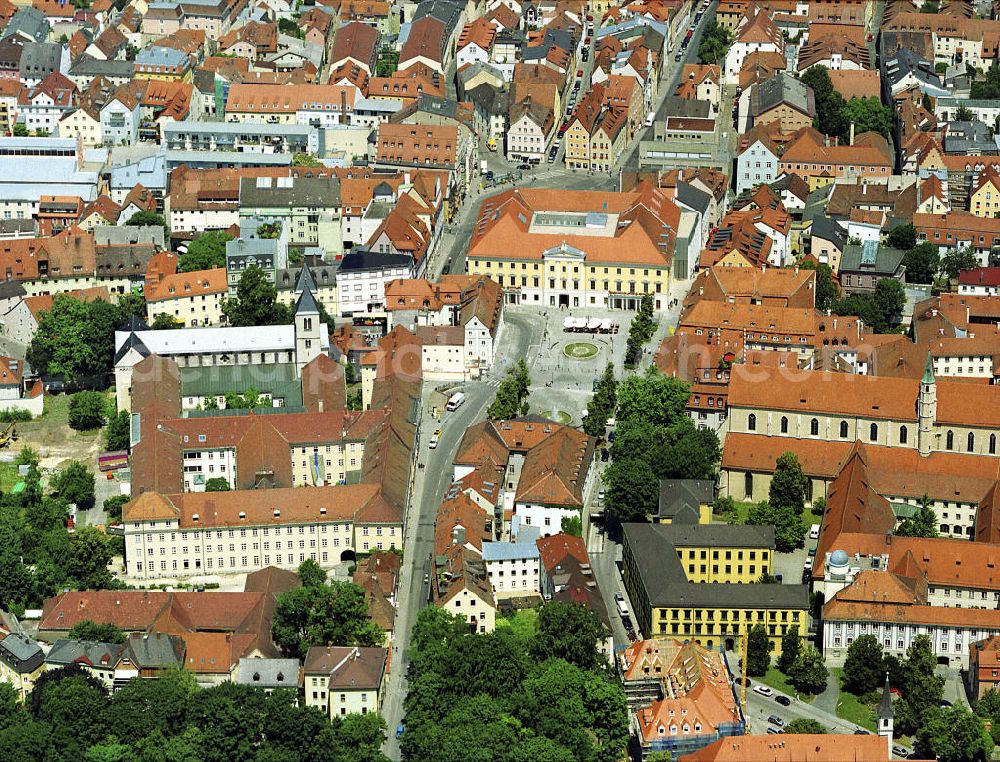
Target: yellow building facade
700, 582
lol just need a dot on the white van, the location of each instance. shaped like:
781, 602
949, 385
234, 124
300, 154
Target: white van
814, 532
455, 402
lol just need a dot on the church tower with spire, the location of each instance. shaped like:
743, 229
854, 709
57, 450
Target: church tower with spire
308, 336
926, 409
885, 715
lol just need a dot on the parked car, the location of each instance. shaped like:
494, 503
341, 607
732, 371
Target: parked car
900, 751
776, 720
763, 690
400, 729
678, 57
523, 166
435, 438
860, 732
774, 731
783, 700
579, 72
622, 606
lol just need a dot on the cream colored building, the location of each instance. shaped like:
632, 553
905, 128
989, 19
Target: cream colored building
192, 299
561, 248
242, 531
82, 125
342, 680
929, 415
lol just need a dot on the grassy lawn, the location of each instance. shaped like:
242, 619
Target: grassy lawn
777, 680
743, 512
850, 708
522, 622
8, 477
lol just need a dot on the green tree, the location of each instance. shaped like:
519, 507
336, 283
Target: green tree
889, 300
789, 529
759, 648
715, 41
118, 432
289, 27
73, 704
105, 632
788, 485
75, 340
571, 525
868, 115
328, 615
164, 322
827, 290
804, 726
953, 734
255, 302
957, 261
964, 114
923, 523
922, 689
11, 709
602, 405
217, 484
249, 400
632, 490
113, 506
511, 398
311, 573
89, 558
75, 484
147, 219
87, 410
569, 631
653, 397
902, 237
20, 130
829, 117
808, 673
989, 87
205, 252
791, 647
863, 671
922, 262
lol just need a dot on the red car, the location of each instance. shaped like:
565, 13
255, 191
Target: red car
579, 72
590, 17
586, 40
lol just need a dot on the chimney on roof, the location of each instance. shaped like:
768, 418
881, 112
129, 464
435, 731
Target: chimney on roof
851, 139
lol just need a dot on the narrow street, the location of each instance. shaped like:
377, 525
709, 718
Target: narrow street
429, 486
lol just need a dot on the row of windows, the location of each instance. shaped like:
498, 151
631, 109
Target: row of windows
970, 439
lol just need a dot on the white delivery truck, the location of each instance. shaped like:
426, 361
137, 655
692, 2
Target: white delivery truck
455, 401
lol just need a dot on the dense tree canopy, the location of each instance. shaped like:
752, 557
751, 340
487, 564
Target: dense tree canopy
205, 252
602, 405
758, 651
75, 339
71, 717
323, 615
504, 697
75, 484
256, 302
38, 557
923, 523
715, 41
654, 439
953, 734
118, 433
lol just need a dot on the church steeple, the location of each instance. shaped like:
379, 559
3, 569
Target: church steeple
926, 409
886, 715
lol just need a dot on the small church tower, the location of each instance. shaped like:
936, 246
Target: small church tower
307, 330
926, 409
885, 715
